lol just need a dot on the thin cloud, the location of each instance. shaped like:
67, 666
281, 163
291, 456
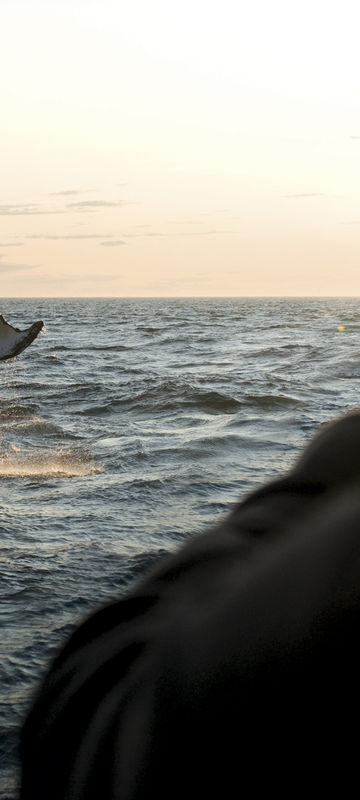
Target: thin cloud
177, 234
14, 210
18, 210
144, 235
305, 194
92, 204
116, 243
7, 267
199, 233
69, 192
54, 236
65, 193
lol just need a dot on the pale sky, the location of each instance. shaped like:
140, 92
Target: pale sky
201, 148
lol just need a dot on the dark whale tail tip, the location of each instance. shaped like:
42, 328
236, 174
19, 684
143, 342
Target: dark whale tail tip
13, 340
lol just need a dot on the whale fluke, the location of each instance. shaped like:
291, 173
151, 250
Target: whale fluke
13, 341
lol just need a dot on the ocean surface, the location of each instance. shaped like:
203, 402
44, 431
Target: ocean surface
128, 426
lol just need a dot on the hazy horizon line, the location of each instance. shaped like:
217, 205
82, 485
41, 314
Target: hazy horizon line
187, 297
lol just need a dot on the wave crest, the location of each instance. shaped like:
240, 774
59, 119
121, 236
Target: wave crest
18, 463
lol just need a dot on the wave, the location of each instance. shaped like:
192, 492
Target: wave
19, 463
148, 329
268, 401
92, 347
170, 395
204, 447
142, 562
37, 426
54, 357
15, 411
74, 391
116, 348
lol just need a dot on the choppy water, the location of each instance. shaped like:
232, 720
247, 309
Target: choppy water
130, 425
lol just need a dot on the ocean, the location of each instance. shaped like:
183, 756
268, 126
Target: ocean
127, 427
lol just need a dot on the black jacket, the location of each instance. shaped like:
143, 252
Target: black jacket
232, 668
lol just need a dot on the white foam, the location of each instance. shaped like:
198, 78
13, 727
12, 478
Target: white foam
18, 463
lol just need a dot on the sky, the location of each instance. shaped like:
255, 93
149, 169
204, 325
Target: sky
201, 148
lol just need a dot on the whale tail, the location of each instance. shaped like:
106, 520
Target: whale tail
13, 340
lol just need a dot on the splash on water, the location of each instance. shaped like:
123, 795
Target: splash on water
16, 462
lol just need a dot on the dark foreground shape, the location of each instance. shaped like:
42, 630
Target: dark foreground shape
232, 669
13, 341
